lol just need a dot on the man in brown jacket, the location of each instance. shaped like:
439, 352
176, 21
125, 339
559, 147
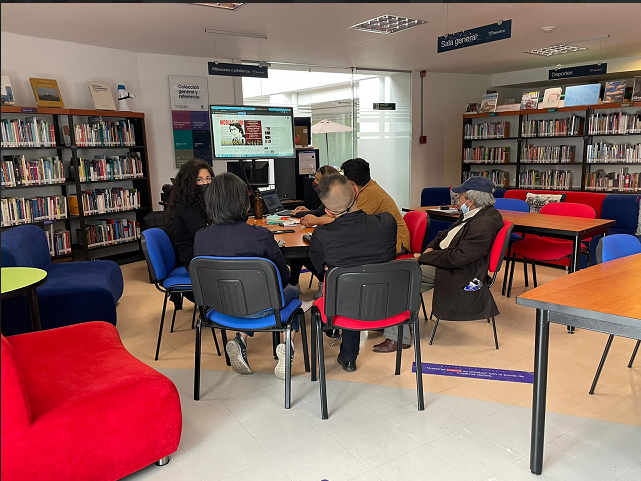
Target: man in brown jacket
456, 257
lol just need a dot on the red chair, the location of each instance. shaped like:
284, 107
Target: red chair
497, 254
367, 297
77, 406
545, 249
418, 223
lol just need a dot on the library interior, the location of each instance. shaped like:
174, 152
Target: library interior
181, 300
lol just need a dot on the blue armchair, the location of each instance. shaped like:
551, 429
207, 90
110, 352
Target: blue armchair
435, 196
74, 292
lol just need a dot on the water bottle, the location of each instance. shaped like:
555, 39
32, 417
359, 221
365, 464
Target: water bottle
258, 205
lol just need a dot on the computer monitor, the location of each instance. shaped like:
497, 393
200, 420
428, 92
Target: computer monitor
254, 176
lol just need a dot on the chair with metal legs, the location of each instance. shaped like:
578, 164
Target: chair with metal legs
610, 248
418, 223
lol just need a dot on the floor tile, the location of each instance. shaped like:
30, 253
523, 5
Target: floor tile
227, 386
267, 471
418, 465
483, 455
178, 468
375, 442
343, 409
467, 410
633, 475
256, 405
618, 440
423, 426
520, 471
207, 422
381, 399
368, 476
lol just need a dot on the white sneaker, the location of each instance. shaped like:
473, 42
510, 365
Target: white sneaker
306, 305
237, 352
281, 351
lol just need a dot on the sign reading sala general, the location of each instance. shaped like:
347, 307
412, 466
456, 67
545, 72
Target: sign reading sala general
580, 71
475, 36
237, 70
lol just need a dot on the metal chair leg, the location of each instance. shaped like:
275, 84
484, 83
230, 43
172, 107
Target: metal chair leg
433, 331
275, 343
496, 339
163, 461
321, 367
634, 354
288, 367
223, 333
509, 283
193, 319
536, 284
431, 315
162, 321
525, 272
603, 358
419, 366
213, 333
507, 268
303, 334
399, 349
173, 320
311, 279
423, 306
314, 347
199, 327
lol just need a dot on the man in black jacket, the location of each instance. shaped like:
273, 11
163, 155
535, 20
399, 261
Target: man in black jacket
457, 257
353, 239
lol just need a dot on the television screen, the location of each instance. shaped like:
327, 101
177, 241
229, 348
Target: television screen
245, 132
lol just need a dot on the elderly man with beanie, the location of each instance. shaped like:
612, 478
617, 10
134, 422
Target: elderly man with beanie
456, 257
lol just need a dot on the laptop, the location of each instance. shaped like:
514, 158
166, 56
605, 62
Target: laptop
273, 204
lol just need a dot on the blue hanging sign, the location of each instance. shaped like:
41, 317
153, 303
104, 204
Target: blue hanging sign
236, 70
579, 71
475, 36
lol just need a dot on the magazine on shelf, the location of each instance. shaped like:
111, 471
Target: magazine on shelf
7, 92
101, 95
582, 95
46, 92
530, 100
614, 91
488, 104
551, 98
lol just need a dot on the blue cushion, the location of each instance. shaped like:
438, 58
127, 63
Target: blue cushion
177, 277
435, 196
25, 246
499, 193
517, 205
624, 209
160, 252
243, 323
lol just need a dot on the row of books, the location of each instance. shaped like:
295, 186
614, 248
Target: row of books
112, 167
501, 178
614, 123
552, 127
59, 241
487, 130
28, 132
486, 154
21, 210
107, 232
622, 180
547, 179
604, 152
104, 133
547, 154
102, 201
15, 170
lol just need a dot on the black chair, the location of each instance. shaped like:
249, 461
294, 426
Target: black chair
367, 297
227, 289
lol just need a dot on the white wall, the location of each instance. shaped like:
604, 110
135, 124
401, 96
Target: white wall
145, 75
438, 162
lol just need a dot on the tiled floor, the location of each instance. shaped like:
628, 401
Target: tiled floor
471, 429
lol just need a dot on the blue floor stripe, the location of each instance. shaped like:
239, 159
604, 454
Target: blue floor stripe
476, 372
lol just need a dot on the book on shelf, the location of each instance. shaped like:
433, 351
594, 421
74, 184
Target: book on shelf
508, 108
551, 98
636, 91
17, 171
621, 180
500, 178
602, 152
472, 108
101, 95
582, 95
21, 210
547, 179
7, 91
104, 133
530, 100
614, 91
27, 132
104, 201
480, 154
59, 241
614, 123
106, 232
110, 167
488, 103
547, 154
572, 125
46, 92
487, 130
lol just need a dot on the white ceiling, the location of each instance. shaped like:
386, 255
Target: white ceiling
317, 33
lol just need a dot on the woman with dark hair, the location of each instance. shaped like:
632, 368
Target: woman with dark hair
237, 133
229, 235
186, 212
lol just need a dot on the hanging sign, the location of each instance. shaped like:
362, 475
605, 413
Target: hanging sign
475, 36
237, 70
385, 106
579, 71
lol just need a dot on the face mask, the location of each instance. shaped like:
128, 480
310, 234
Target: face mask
202, 188
465, 209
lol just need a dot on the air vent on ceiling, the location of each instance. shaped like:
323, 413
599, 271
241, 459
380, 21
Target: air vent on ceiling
559, 49
387, 24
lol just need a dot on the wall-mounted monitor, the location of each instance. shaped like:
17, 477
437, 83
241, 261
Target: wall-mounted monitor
247, 132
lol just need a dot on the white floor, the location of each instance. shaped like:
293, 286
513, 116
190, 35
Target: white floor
240, 430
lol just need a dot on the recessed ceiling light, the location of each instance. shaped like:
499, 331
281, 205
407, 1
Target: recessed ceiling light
548, 29
387, 24
226, 6
559, 49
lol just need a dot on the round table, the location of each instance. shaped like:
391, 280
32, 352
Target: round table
24, 280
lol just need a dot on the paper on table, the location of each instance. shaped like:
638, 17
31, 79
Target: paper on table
446, 211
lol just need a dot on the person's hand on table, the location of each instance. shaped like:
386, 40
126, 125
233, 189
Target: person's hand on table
310, 220
300, 208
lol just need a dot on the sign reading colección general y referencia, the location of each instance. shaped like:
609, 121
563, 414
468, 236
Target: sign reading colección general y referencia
475, 36
578, 71
237, 70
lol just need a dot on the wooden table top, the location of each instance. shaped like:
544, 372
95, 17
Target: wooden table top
612, 288
292, 239
543, 222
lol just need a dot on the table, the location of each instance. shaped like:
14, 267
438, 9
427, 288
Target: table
24, 280
613, 306
561, 227
295, 246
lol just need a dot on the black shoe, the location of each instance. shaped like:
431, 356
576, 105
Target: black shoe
349, 366
333, 333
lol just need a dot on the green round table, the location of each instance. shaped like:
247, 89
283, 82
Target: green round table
17, 281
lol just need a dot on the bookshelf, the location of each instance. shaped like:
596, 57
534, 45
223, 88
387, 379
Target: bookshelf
104, 163
595, 148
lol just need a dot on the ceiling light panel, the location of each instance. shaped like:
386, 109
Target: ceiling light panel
387, 24
559, 49
226, 6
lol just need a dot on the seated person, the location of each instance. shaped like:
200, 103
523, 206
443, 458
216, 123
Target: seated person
457, 256
230, 235
302, 211
186, 213
353, 239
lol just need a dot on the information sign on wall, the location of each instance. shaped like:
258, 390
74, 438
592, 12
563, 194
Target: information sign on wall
579, 71
475, 36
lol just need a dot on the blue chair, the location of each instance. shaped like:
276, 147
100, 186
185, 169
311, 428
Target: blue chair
624, 209
74, 292
499, 193
168, 279
516, 205
228, 289
435, 196
610, 248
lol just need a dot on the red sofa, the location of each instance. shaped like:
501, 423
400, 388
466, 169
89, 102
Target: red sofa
77, 406
593, 199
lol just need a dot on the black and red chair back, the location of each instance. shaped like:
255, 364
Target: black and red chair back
499, 249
